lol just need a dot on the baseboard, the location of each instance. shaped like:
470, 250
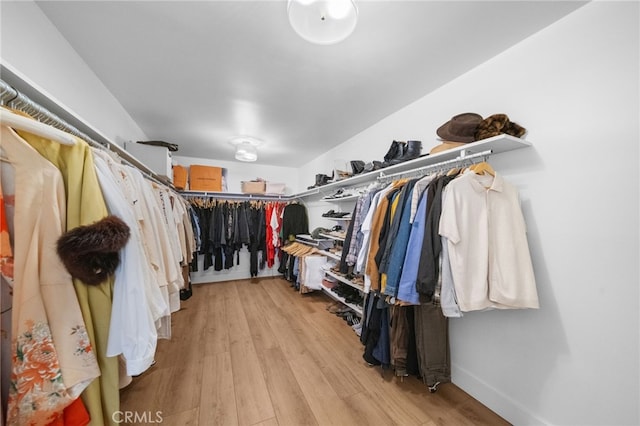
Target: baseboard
226, 279
498, 402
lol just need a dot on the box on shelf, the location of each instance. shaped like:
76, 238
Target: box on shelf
156, 158
180, 177
205, 178
275, 188
252, 187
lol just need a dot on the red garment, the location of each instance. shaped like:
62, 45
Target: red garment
271, 250
273, 216
74, 414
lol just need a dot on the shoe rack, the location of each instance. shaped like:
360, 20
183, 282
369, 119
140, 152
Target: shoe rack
348, 290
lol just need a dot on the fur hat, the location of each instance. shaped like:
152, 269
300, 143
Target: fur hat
496, 124
90, 253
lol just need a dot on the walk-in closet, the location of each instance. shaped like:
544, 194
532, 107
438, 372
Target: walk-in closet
319, 212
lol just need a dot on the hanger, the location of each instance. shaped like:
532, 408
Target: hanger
483, 168
30, 125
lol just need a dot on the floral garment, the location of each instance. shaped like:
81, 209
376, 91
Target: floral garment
37, 392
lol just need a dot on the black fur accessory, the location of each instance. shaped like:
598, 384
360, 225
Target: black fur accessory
90, 252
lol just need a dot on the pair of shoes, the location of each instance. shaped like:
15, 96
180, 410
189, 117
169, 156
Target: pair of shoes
357, 166
334, 308
402, 151
335, 214
357, 327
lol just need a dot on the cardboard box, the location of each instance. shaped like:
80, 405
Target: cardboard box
180, 177
205, 178
275, 188
252, 187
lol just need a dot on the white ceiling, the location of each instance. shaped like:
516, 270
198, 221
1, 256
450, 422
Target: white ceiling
199, 73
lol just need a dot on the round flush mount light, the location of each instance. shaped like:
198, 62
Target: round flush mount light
246, 148
323, 21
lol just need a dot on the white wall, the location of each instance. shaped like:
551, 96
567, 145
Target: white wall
237, 172
575, 87
32, 48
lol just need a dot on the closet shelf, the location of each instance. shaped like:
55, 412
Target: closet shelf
497, 144
334, 256
347, 198
345, 281
355, 308
332, 237
315, 242
237, 195
339, 219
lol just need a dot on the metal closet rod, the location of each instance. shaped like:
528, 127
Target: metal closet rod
461, 159
12, 98
237, 196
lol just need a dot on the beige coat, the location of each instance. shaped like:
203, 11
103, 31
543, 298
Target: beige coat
85, 205
52, 361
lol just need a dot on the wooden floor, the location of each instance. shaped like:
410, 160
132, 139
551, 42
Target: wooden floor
259, 353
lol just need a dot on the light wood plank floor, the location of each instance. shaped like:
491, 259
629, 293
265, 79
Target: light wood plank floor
258, 353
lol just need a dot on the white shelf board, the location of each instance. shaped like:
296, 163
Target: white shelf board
345, 281
339, 219
332, 237
336, 199
497, 144
334, 296
335, 256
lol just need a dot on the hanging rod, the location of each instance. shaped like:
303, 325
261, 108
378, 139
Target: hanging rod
237, 196
463, 157
12, 98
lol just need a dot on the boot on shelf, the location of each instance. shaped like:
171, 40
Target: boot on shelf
396, 150
414, 149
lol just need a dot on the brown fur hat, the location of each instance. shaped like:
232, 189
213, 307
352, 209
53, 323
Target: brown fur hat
496, 124
90, 253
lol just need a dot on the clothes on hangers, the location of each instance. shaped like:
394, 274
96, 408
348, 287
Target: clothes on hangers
75, 198
226, 226
132, 329
58, 359
438, 243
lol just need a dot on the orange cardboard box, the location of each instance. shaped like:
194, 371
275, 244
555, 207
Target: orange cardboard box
205, 178
180, 177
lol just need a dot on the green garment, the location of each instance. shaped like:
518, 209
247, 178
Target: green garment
86, 205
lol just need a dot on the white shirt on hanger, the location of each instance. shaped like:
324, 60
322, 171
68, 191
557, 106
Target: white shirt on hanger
487, 244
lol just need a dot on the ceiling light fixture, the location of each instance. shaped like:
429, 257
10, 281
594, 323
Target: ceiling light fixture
246, 148
323, 21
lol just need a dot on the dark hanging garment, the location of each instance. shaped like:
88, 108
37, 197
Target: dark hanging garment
229, 247
403, 341
243, 232
294, 221
215, 235
381, 352
384, 231
412, 354
371, 331
207, 246
256, 239
429, 267
432, 344
344, 268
